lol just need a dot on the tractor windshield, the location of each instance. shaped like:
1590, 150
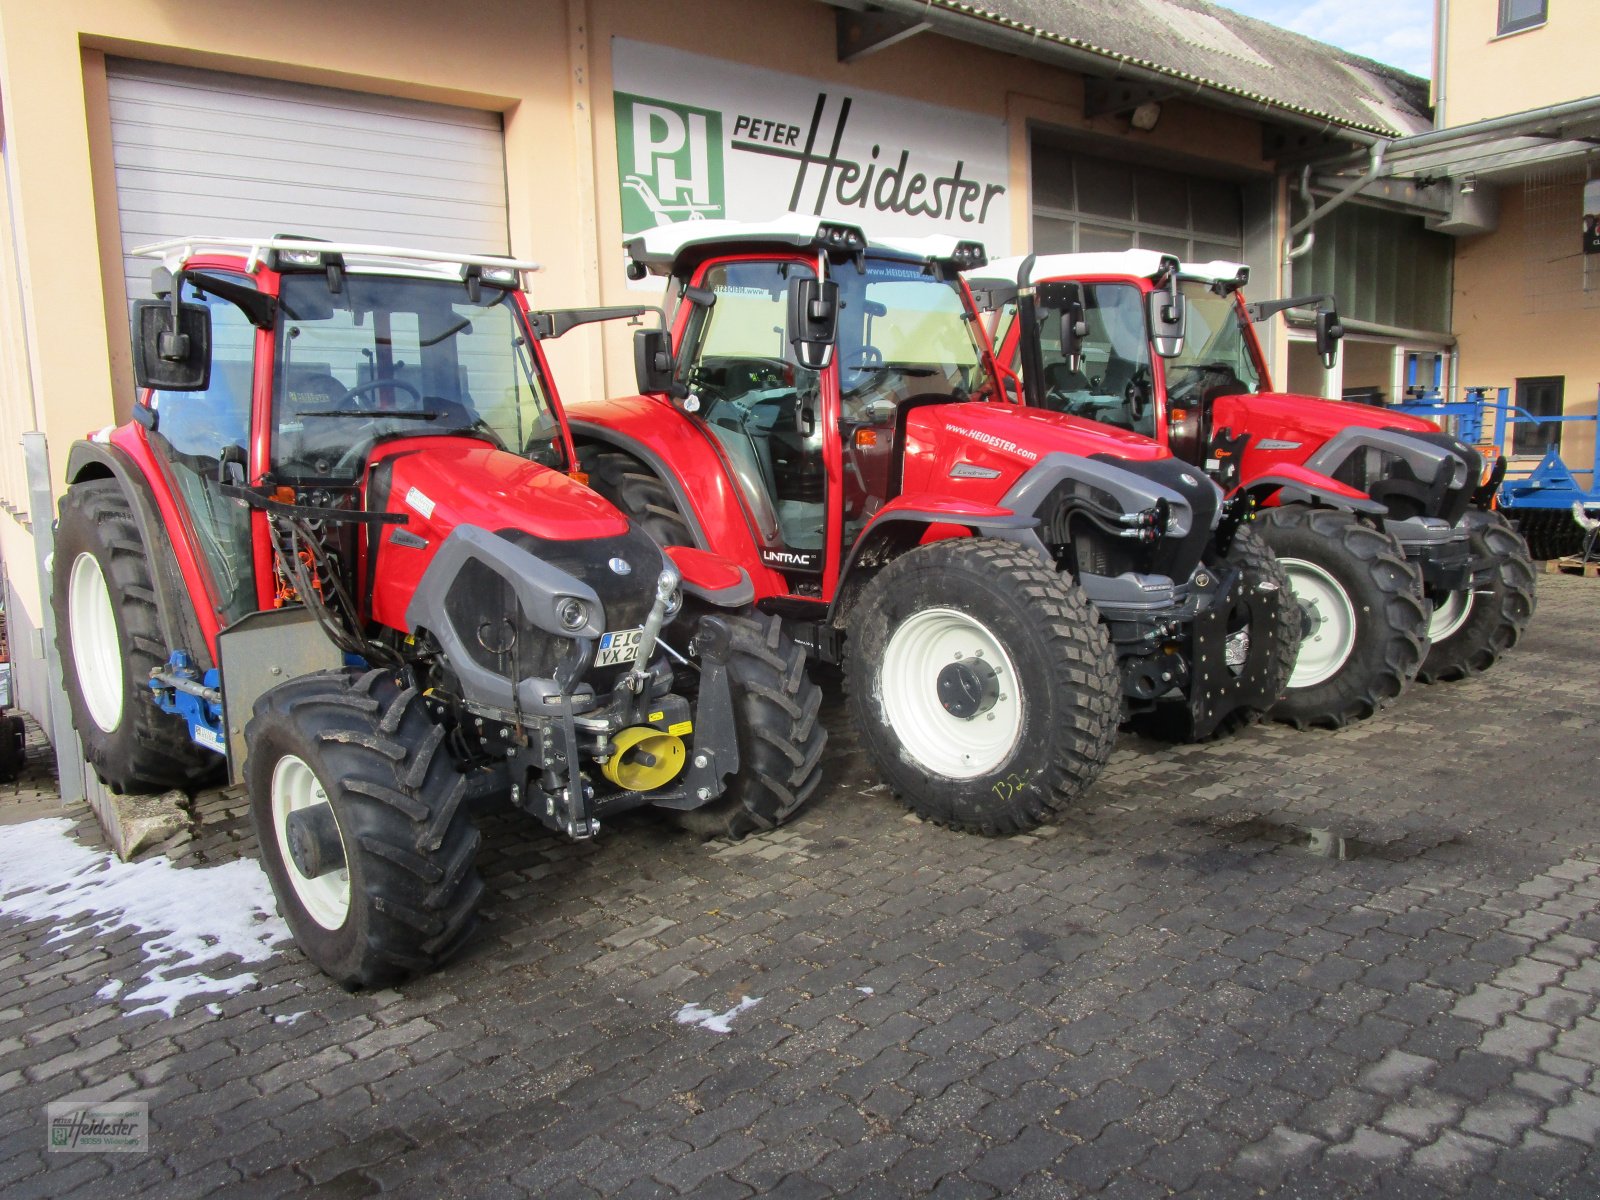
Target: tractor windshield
1217, 359
903, 334
391, 356
1112, 381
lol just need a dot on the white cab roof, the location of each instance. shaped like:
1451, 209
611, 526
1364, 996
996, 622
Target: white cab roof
661, 245
1135, 264
359, 257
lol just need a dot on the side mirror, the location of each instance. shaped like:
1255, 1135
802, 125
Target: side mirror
172, 346
1169, 318
813, 321
652, 360
1329, 334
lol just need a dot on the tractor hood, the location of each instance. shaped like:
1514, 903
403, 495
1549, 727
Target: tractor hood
1279, 414
1006, 437
442, 482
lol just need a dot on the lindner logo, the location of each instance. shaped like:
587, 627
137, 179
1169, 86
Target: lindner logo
669, 159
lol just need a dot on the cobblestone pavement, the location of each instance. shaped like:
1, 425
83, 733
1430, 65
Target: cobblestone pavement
1174, 992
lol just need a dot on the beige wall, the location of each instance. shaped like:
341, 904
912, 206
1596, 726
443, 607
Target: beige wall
1502, 339
1485, 75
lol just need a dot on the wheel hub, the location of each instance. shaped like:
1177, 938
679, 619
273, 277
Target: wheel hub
968, 688
313, 838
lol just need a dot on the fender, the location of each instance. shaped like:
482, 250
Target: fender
905, 520
711, 577
1298, 485
180, 627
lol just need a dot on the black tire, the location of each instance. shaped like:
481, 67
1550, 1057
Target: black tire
399, 804
1550, 532
781, 740
1065, 673
635, 489
1384, 591
1263, 575
145, 750
1499, 612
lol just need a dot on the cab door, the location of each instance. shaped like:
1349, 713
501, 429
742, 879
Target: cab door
763, 409
191, 433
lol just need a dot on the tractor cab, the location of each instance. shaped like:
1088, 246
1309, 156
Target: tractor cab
801, 349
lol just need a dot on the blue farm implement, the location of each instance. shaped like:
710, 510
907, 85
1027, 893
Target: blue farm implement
1546, 500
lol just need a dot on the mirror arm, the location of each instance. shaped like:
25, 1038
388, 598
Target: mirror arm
1260, 310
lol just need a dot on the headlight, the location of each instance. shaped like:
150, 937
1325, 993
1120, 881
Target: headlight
574, 614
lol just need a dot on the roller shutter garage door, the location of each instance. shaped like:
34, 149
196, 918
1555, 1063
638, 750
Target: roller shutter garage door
198, 152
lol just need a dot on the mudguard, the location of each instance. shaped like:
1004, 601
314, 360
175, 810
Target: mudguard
1300, 485
922, 510
712, 578
179, 626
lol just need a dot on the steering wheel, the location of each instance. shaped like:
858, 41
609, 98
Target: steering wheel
372, 385
1136, 396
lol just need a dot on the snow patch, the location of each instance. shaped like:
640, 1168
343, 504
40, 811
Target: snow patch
185, 916
865, 991
693, 1014
109, 992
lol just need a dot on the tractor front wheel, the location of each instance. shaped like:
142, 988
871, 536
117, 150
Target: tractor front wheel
364, 833
638, 492
1365, 624
781, 739
1471, 629
983, 684
108, 634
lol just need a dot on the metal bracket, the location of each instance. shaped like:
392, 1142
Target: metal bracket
862, 33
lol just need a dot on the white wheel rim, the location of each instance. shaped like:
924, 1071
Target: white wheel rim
326, 898
941, 742
1331, 634
96, 650
1449, 617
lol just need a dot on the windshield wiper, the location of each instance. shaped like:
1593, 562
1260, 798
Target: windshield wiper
374, 414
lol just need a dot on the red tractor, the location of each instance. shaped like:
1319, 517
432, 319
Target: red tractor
1381, 521
1001, 584
343, 553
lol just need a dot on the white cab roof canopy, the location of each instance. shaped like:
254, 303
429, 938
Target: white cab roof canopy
358, 257
1137, 264
660, 246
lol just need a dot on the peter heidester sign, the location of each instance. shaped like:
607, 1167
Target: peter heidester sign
699, 138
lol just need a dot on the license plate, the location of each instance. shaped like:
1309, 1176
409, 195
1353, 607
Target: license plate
619, 647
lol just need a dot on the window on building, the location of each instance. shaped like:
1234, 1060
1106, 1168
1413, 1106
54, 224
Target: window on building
1539, 397
1522, 14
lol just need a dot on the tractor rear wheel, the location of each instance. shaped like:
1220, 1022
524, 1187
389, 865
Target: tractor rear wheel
983, 684
1471, 629
1365, 623
780, 737
108, 634
361, 817
635, 489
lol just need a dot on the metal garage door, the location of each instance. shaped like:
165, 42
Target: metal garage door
1082, 202
227, 155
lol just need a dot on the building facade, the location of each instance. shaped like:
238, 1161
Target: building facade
551, 128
